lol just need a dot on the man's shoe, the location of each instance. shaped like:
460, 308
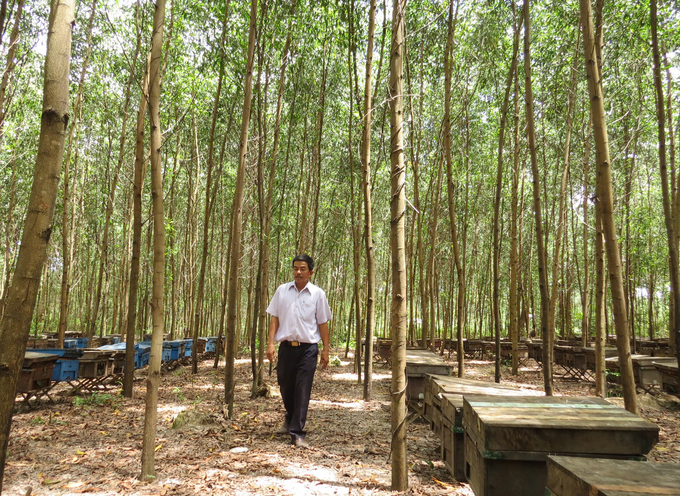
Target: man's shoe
301, 443
283, 429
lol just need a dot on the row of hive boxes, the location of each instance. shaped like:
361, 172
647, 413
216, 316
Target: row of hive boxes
498, 438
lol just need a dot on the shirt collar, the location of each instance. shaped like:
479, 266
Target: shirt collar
308, 287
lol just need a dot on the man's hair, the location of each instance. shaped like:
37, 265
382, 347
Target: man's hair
304, 258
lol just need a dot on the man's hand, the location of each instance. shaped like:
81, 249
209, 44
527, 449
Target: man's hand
271, 352
324, 358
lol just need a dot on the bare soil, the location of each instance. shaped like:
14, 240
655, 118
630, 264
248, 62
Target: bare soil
92, 443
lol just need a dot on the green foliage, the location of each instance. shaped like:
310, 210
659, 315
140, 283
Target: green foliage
97, 399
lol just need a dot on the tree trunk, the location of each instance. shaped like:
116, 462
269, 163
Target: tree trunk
668, 213
237, 209
65, 224
604, 196
354, 214
460, 307
585, 296
210, 192
267, 213
157, 307
514, 300
397, 214
22, 295
561, 219
139, 173
368, 209
542, 268
497, 202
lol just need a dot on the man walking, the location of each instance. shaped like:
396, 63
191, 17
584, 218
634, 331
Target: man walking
299, 319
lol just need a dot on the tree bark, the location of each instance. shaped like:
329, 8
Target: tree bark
604, 196
157, 306
668, 213
542, 265
397, 214
497, 202
368, 209
22, 294
237, 209
139, 173
67, 253
460, 302
209, 197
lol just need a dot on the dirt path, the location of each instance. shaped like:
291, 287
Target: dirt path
92, 444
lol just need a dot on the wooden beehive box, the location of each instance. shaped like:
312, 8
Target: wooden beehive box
450, 391
420, 363
574, 476
670, 379
36, 371
508, 438
590, 356
644, 370
95, 363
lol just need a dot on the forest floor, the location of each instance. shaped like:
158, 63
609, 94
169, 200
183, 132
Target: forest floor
92, 443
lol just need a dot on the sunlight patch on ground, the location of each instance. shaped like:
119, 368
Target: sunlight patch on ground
300, 480
353, 377
169, 409
351, 405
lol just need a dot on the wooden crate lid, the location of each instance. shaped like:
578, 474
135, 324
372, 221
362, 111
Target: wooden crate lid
574, 476
668, 367
426, 362
566, 424
31, 357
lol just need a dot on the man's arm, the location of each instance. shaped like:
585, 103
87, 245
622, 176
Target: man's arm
273, 327
323, 330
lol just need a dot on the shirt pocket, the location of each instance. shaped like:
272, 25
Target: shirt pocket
308, 311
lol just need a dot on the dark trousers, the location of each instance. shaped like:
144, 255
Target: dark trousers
295, 374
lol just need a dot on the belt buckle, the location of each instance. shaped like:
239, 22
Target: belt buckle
294, 343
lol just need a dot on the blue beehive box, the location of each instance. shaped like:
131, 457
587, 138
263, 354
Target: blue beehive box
144, 354
81, 342
176, 349
116, 339
188, 345
70, 344
66, 368
167, 355
211, 345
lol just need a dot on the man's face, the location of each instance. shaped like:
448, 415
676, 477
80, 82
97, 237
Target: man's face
301, 273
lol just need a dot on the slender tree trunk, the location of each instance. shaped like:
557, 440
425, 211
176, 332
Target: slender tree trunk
354, 214
210, 192
585, 294
542, 268
668, 213
604, 196
267, 214
397, 214
497, 202
22, 295
9, 234
237, 209
11, 63
65, 225
368, 209
561, 219
139, 173
514, 300
460, 307
157, 306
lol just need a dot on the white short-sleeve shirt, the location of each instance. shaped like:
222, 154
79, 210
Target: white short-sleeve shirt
299, 312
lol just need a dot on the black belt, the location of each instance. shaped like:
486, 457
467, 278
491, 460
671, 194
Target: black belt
295, 343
